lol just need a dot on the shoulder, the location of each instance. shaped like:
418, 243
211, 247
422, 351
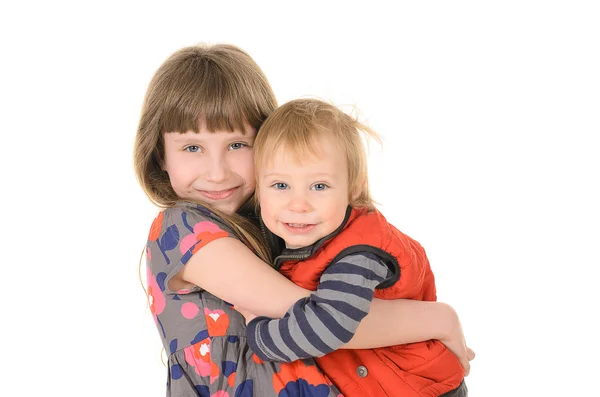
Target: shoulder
358, 269
365, 256
183, 229
354, 261
186, 218
178, 233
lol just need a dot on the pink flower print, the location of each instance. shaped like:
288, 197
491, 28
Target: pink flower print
198, 356
156, 299
217, 322
220, 393
204, 232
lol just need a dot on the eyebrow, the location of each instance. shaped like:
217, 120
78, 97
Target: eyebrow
196, 137
278, 174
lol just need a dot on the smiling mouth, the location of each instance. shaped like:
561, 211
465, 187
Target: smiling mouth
218, 195
299, 227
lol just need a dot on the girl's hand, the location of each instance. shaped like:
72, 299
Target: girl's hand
455, 342
249, 316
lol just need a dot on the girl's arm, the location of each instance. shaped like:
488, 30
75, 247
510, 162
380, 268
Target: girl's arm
417, 320
229, 270
401, 321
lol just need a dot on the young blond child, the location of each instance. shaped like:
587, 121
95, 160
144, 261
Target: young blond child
312, 185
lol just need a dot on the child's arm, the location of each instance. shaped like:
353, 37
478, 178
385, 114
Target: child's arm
326, 320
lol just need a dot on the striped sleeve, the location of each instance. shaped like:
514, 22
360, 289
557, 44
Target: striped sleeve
327, 319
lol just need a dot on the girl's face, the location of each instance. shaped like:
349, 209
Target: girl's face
214, 168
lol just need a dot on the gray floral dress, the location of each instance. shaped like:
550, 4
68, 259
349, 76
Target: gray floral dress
204, 337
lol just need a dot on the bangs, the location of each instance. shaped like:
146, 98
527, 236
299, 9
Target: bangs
298, 136
212, 95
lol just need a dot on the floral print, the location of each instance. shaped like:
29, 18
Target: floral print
203, 233
296, 379
198, 356
204, 336
217, 322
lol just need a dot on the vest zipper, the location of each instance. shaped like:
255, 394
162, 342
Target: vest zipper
282, 258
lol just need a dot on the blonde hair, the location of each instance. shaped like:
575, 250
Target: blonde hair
219, 86
297, 125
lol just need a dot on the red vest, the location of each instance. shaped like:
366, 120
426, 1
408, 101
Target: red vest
416, 369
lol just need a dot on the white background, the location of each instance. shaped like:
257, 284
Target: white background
490, 118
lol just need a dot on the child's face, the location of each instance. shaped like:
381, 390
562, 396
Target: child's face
303, 202
214, 168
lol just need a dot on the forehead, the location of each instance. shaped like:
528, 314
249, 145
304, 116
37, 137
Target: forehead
322, 153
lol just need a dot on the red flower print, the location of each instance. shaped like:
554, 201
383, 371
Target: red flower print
257, 359
217, 322
214, 372
156, 227
156, 299
295, 379
204, 233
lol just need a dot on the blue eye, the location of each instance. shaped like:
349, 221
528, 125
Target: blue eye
193, 148
237, 145
280, 186
319, 186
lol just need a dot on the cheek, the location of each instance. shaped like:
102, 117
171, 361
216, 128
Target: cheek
268, 214
245, 169
175, 171
268, 203
182, 166
168, 163
336, 209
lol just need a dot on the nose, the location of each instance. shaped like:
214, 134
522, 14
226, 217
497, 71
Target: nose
299, 203
218, 168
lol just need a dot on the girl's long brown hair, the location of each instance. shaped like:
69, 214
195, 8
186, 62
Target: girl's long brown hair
219, 85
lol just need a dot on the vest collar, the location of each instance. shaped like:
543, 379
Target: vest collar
299, 254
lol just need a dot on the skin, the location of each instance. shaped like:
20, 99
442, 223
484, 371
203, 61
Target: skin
216, 168
303, 202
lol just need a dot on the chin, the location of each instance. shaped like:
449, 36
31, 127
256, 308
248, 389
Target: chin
300, 244
229, 209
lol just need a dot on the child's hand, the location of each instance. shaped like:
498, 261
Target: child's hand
247, 314
455, 342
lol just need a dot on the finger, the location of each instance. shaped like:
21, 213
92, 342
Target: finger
470, 354
466, 365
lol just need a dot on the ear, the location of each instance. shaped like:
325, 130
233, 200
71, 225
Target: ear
359, 187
